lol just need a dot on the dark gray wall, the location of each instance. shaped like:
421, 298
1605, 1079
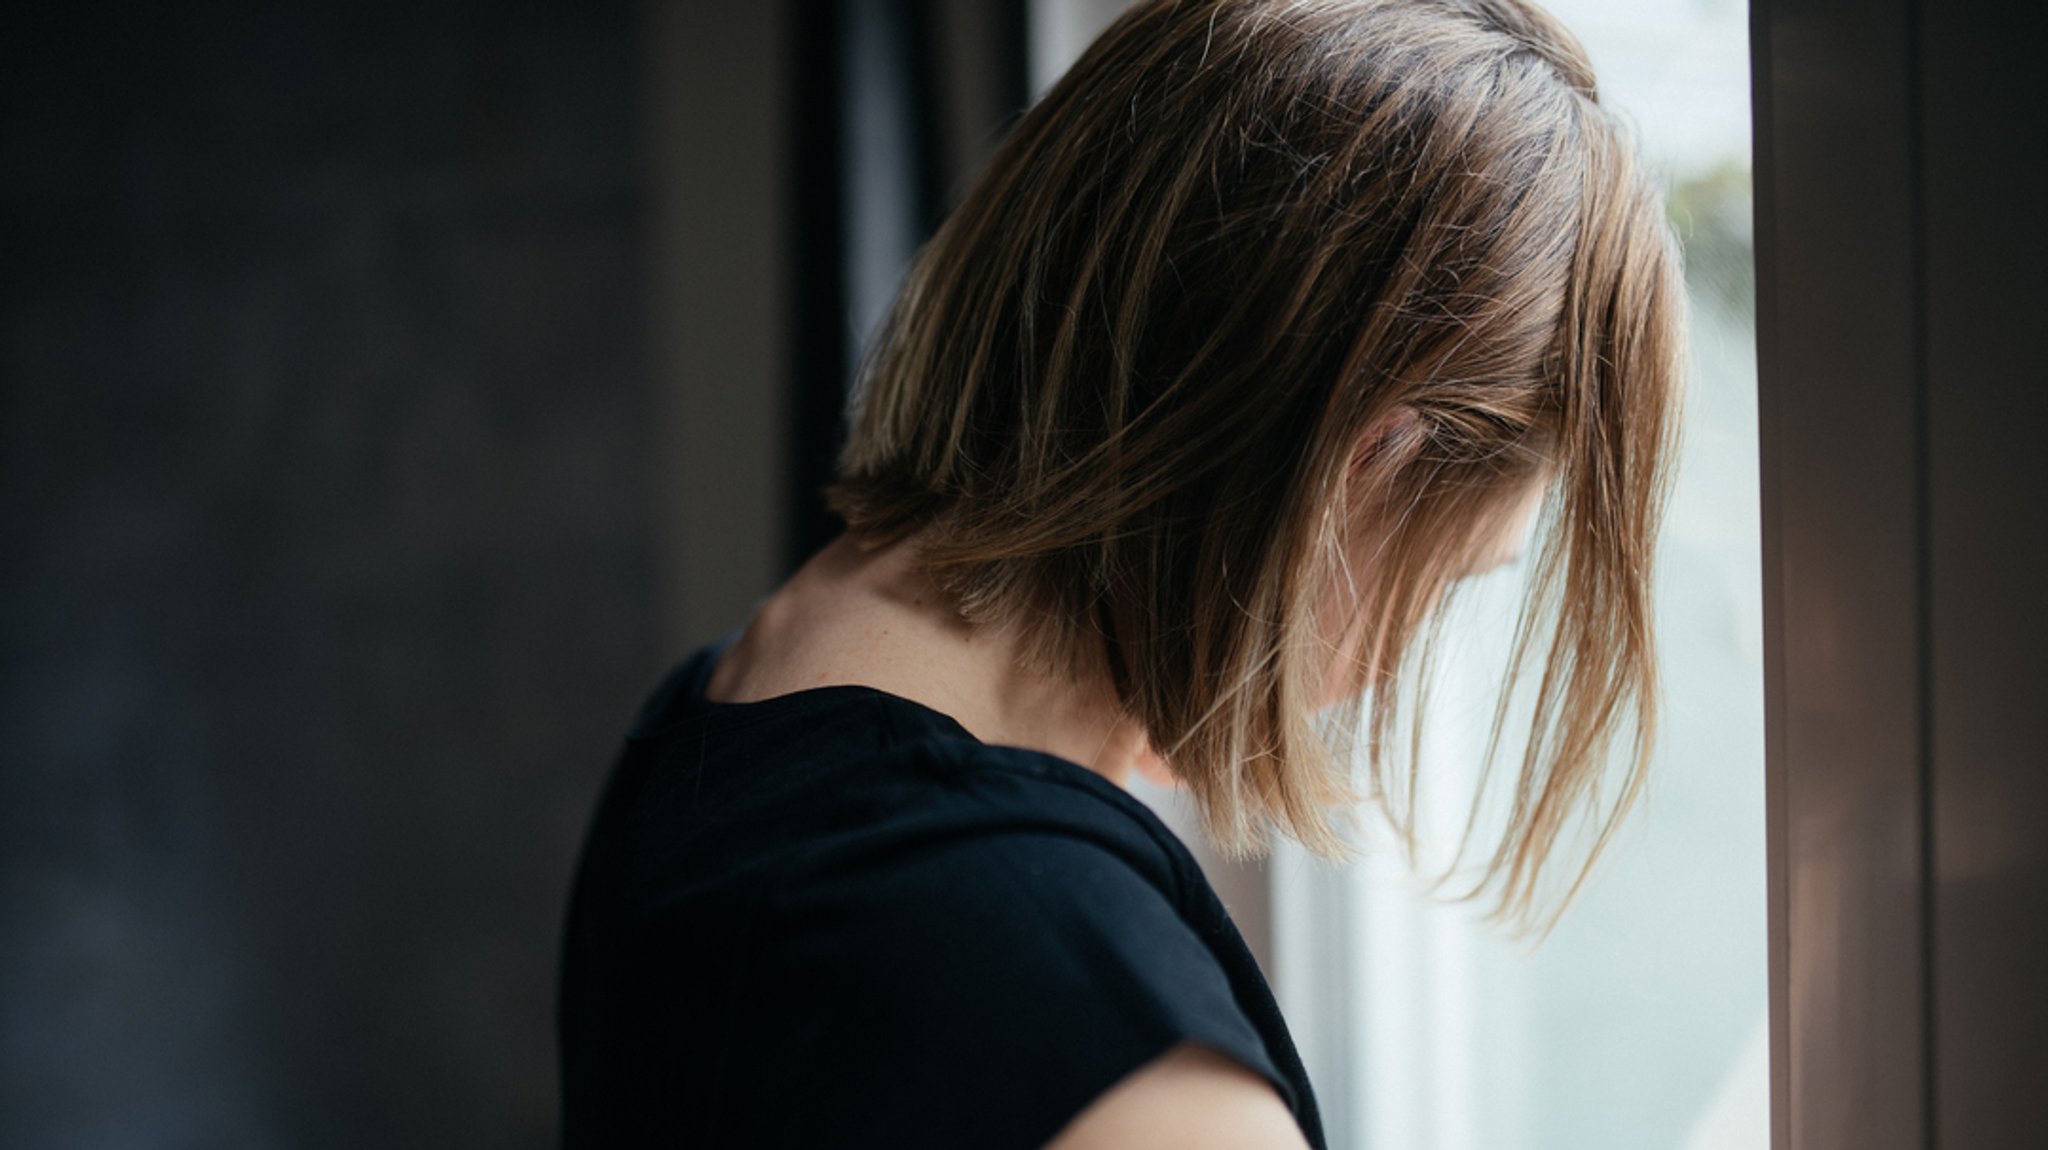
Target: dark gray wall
325, 578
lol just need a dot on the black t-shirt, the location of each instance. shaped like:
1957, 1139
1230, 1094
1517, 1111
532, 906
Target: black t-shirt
836, 919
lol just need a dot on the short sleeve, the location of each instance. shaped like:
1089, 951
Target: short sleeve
975, 993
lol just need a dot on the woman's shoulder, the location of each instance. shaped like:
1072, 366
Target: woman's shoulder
980, 953
837, 780
843, 889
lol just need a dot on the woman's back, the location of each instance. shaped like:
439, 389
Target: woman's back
835, 918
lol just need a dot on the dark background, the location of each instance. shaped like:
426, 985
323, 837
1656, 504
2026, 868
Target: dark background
340, 408
327, 577
387, 392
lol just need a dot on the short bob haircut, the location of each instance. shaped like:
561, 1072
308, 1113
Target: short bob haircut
1270, 305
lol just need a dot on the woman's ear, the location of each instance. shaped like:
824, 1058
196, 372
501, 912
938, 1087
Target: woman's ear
1387, 445
1395, 432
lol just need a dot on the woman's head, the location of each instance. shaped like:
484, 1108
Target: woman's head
1257, 329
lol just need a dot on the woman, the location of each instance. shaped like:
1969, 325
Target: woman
1270, 322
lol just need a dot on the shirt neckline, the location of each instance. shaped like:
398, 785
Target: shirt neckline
682, 701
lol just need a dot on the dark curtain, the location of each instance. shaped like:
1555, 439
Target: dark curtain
896, 104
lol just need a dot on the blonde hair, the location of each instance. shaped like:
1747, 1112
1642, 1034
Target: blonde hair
1253, 283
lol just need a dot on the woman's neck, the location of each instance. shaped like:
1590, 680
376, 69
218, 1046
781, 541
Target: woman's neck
870, 618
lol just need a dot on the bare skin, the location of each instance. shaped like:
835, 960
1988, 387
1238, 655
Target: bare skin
867, 617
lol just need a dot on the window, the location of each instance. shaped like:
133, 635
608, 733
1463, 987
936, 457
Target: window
1641, 1021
